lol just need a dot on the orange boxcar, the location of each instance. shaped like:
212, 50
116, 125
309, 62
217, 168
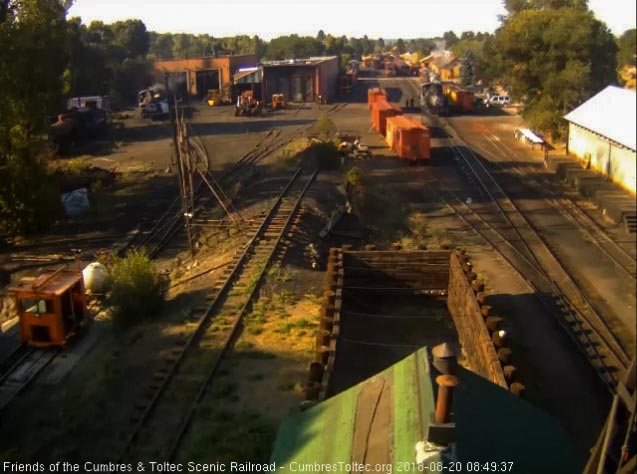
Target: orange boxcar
374, 94
408, 138
381, 110
462, 100
51, 308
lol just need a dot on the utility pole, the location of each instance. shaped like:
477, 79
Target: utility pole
186, 212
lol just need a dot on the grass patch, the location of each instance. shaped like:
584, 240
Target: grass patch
315, 299
243, 344
288, 154
227, 437
281, 274
304, 323
283, 298
287, 386
285, 328
224, 389
255, 354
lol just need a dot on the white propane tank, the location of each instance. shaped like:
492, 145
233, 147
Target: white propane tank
95, 275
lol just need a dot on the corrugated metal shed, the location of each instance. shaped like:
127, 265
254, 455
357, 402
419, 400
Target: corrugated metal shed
379, 421
611, 113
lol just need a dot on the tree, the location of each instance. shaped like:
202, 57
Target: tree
161, 46
474, 45
132, 36
181, 45
400, 46
368, 45
626, 44
32, 55
86, 72
356, 45
99, 33
128, 78
516, 6
294, 46
556, 58
450, 39
320, 37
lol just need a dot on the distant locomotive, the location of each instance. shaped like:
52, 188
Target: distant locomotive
432, 99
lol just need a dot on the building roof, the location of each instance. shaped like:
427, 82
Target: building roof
311, 61
381, 419
445, 61
201, 58
610, 113
253, 75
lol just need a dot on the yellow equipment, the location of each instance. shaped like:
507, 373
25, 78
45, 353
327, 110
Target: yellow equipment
213, 97
278, 101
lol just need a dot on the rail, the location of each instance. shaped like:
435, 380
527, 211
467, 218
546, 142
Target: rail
572, 212
168, 224
581, 313
219, 299
213, 370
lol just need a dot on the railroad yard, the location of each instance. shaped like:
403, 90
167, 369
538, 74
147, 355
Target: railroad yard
213, 378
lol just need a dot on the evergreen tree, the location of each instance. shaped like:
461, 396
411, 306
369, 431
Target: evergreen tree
467, 70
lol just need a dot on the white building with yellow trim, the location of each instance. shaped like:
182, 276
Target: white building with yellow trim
601, 133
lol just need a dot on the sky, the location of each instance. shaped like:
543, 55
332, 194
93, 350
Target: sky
374, 18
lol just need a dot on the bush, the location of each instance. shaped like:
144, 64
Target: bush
418, 226
325, 127
78, 166
357, 191
326, 155
137, 291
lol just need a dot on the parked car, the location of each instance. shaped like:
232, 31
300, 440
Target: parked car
497, 100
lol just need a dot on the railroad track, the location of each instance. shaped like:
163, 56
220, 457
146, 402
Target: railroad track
163, 418
504, 227
502, 224
594, 233
170, 222
20, 368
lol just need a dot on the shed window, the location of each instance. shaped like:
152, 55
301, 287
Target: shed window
37, 306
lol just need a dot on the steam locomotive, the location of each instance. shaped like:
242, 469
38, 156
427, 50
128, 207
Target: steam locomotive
432, 99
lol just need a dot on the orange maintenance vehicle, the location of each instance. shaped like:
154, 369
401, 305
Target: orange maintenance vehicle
278, 101
52, 308
408, 138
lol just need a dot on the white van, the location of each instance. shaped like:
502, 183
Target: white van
498, 101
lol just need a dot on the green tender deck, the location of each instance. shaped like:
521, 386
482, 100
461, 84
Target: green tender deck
492, 425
